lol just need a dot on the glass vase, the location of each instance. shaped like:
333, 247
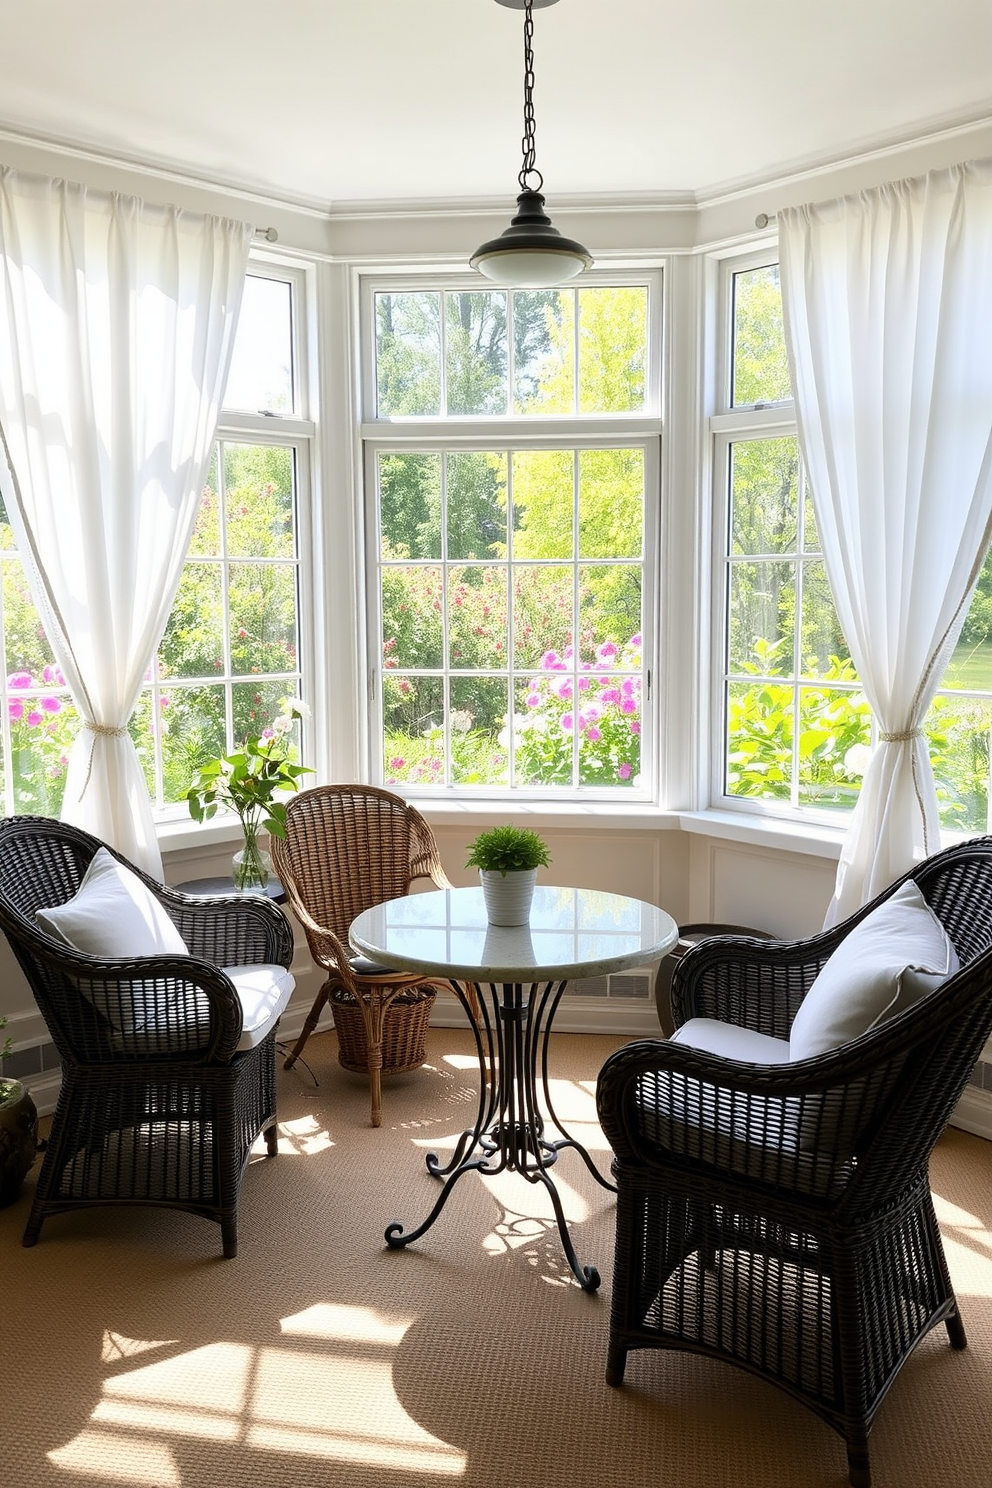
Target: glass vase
251, 867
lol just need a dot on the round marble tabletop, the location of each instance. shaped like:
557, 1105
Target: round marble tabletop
572, 933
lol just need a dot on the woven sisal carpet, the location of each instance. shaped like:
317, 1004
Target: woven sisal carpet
133, 1354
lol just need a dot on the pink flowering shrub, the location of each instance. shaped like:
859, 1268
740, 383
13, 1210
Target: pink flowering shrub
597, 703
43, 724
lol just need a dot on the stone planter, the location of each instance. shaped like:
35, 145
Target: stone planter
18, 1139
508, 895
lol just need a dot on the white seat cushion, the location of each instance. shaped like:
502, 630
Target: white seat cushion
895, 956
732, 1042
264, 992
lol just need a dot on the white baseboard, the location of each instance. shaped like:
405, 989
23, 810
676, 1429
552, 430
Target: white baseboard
973, 1112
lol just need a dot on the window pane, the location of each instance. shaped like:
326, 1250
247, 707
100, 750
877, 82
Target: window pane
542, 613
609, 612
193, 644
194, 730
259, 501
255, 706
543, 351
476, 491
479, 740
410, 505
262, 607
26, 645
762, 617
764, 496
824, 651
261, 377
543, 503
411, 617
477, 617
543, 733
408, 354
43, 725
613, 337
608, 720
971, 664
958, 733
611, 503
760, 726
477, 359
834, 746
760, 370
413, 718
206, 538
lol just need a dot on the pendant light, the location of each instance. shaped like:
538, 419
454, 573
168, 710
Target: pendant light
531, 253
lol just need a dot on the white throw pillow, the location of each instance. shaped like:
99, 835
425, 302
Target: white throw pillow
894, 957
113, 914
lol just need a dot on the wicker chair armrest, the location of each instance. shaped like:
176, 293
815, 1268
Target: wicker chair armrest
756, 984
326, 948
231, 929
150, 1008
798, 1125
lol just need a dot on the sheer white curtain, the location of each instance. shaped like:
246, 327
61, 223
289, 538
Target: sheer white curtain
888, 314
117, 322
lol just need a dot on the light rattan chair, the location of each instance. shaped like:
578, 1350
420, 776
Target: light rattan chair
779, 1216
161, 1102
347, 848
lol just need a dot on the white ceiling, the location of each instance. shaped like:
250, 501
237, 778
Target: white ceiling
331, 101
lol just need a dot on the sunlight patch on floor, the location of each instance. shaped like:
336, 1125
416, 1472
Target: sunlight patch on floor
119, 1459
116, 1346
347, 1324
968, 1247
303, 1137
337, 1403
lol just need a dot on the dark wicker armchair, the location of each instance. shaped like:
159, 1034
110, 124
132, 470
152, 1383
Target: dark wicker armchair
778, 1216
347, 848
168, 1072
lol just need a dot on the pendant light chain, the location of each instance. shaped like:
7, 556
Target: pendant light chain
529, 169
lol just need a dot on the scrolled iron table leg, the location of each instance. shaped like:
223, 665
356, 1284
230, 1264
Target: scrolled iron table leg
510, 1125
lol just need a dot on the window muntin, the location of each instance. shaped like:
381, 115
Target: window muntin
508, 577
231, 650
796, 725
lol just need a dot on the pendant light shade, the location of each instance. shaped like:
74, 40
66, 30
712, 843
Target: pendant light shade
531, 253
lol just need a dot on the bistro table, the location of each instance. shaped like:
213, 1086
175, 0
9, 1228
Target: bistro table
571, 933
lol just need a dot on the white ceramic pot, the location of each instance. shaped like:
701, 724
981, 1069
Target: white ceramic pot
508, 895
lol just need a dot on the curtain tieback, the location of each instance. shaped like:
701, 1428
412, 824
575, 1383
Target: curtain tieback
902, 738
109, 731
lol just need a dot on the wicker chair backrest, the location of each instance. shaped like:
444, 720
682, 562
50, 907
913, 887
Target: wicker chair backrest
348, 847
135, 1015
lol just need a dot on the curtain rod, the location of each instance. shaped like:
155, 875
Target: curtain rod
268, 233
763, 219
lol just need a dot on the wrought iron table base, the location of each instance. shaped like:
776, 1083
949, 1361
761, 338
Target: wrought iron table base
509, 1128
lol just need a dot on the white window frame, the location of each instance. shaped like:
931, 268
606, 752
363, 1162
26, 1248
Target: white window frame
505, 433
729, 425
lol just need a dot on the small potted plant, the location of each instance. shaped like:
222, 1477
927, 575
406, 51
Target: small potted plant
508, 859
250, 781
18, 1132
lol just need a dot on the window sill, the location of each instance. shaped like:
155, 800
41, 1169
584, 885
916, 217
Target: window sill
812, 839
624, 816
